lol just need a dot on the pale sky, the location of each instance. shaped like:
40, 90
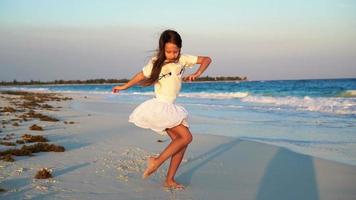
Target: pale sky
261, 39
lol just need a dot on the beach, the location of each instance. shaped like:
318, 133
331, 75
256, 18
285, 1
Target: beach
105, 156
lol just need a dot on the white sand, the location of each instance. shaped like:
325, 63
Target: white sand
105, 156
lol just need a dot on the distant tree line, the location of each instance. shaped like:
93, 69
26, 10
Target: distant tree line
222, 78
90, 81
107, 81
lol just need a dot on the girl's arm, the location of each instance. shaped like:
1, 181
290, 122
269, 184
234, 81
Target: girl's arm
136, 79
204, 62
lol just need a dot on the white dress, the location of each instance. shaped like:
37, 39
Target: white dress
161, 112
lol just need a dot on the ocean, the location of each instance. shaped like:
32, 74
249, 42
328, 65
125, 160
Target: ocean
312, 117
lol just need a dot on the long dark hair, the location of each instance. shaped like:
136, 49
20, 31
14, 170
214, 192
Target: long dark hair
167, 36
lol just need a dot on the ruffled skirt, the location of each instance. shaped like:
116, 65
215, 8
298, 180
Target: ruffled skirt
158, 115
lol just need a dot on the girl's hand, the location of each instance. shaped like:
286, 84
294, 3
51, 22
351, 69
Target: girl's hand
118, 88
191, 77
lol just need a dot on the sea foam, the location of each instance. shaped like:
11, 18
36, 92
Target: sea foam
336, 105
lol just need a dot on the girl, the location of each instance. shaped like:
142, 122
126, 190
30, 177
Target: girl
161, 114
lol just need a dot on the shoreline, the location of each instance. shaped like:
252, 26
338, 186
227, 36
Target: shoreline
248, 80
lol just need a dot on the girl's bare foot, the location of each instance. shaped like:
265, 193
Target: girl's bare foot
151, 167
173, 185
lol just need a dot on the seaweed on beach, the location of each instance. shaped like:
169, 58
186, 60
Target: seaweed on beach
43, 147
8, 109
28, 138
7, 158
30, 101
43, 174
36, 100
22, 106
7, 143
46, 106
33, 114
30, 149
35, 127
16, 152
14, 92
20, 142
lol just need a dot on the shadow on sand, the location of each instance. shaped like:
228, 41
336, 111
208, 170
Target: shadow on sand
70, 169
204, 159
288, 176
284, 174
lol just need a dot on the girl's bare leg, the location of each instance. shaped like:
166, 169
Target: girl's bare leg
176, 159
183, 138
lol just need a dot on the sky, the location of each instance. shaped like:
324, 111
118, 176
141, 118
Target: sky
261, 39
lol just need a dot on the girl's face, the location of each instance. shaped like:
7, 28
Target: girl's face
171, 51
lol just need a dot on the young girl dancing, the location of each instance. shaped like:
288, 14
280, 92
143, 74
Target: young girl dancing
160, 113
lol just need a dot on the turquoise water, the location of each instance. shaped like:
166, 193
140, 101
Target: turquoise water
313, 117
